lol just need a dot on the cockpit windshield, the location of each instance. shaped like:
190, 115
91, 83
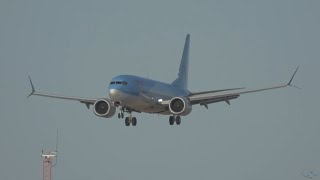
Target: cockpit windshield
119, 82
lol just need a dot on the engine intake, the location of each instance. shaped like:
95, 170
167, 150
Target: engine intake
104, 108
180, 106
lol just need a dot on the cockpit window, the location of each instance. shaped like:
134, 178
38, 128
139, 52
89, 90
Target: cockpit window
119, 82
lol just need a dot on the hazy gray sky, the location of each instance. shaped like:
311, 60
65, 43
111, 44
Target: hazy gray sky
75, 47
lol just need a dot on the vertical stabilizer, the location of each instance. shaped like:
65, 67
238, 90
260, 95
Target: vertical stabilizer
182, 80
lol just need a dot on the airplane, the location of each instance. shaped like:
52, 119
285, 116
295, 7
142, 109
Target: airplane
130, 93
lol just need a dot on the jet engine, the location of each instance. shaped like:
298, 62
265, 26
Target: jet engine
104, 108
180, 106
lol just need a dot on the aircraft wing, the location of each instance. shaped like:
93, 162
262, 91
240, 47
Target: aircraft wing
86, 101
208, 97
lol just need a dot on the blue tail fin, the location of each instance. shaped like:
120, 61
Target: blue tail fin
182, 80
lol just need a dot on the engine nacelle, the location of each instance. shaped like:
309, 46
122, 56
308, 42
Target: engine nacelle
180, 106
104, 108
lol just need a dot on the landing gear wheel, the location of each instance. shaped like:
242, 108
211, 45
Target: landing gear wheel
178, 120
127, 121
134, 121
122, 115
119, 116
171, 120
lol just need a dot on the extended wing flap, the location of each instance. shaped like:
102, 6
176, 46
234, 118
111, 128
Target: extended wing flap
214, 91
215, 100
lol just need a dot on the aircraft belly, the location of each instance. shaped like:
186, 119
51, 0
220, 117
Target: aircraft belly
140, 104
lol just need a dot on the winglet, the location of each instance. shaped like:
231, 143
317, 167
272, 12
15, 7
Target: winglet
289, 83
33, 90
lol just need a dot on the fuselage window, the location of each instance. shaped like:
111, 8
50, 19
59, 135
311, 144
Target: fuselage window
118, 82
125, 83
112, 82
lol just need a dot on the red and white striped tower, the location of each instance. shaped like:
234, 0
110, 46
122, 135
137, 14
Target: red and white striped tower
49, 160
46, 169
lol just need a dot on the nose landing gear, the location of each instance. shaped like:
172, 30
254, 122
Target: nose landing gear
121, 115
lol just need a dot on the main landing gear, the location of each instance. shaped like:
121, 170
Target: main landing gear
173, 119
130, 120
